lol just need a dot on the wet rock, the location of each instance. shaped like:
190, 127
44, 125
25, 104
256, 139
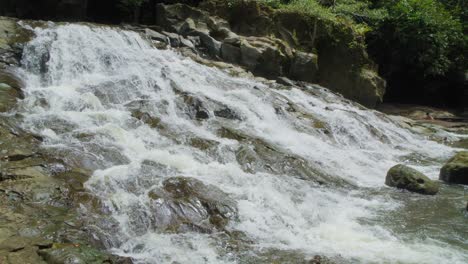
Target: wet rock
195, 107
153, 35
173, 38
159, 40
186, 204
185, 42
456, 169
255, 155
36, 208
403, 177
227, 113
147, 118
201, 143
277, 256
285, 81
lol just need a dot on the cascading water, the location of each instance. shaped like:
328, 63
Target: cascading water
304, 168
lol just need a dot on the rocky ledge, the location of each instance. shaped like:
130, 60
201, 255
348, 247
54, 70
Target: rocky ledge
274, 45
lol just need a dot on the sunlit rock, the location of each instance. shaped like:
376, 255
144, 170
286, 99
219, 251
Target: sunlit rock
403, 177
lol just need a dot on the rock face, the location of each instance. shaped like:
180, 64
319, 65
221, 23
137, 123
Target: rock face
337, 57
403, 177
266, 56
456, 169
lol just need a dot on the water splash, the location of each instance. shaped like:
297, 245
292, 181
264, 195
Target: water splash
298, 161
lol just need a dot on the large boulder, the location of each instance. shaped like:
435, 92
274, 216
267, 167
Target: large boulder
187, 204
404, 177
304, 67
456, 169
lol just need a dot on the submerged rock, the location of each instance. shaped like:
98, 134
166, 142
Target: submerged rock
456, 169
186, 204
227, 113
404, 177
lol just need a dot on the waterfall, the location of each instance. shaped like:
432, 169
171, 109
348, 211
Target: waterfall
303, 167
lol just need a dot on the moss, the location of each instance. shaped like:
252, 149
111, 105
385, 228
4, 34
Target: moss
403, 177
456, 169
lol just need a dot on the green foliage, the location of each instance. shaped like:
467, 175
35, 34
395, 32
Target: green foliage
359, 11
423, 34
310, 7
418, 39
426, 34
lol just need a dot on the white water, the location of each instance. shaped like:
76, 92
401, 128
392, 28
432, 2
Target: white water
82, 106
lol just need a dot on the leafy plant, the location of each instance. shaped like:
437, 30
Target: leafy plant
422, 33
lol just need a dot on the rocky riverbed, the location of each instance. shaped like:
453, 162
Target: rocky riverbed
55, 207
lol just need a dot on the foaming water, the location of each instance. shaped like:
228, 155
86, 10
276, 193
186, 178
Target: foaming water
298, 162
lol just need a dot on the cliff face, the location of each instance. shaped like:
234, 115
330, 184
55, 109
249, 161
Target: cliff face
342, 63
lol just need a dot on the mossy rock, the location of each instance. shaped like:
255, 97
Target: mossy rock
404, 177
456, 169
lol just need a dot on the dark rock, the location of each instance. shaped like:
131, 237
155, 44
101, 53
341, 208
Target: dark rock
230, 53
174, 39
212, 45
249, 55
195, 107
227, 113
403, 177
186, 204
456, 169
304, 67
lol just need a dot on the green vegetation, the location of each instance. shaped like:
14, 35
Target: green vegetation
424, 34
132, 6
422, 40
